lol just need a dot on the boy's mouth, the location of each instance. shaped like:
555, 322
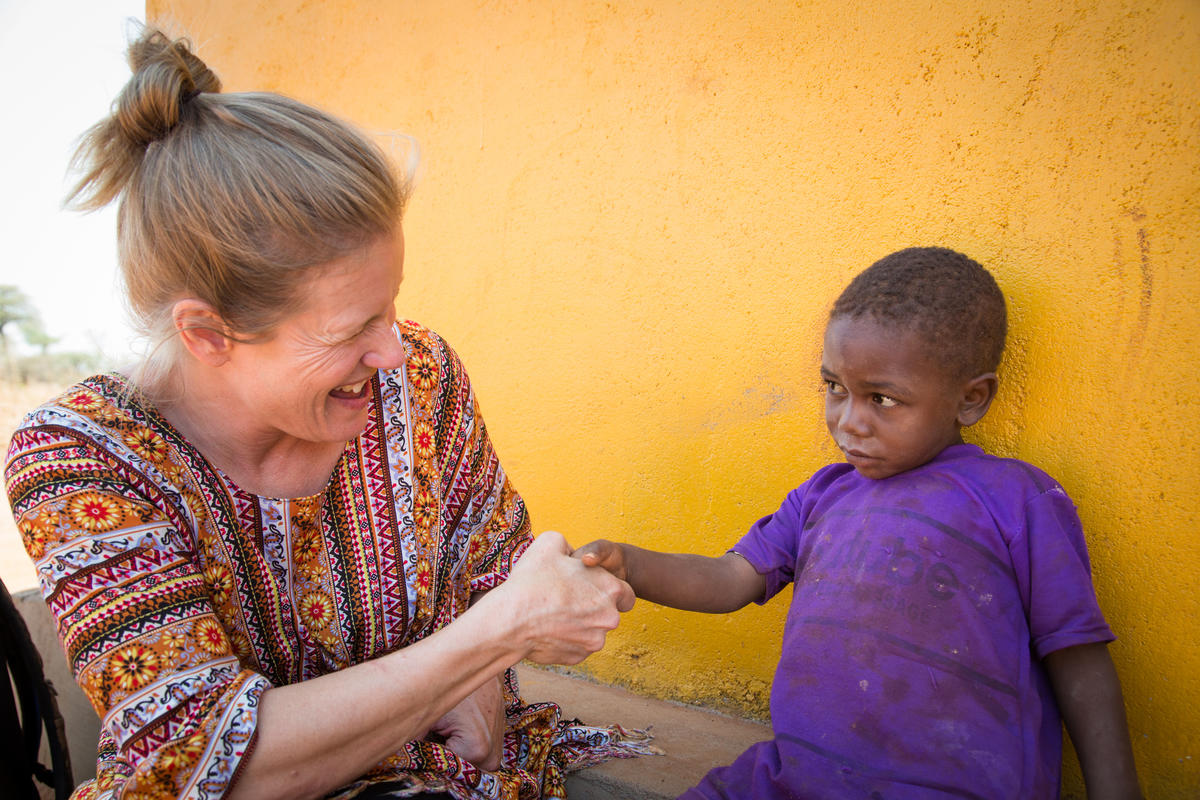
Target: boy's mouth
851, 451
857, 457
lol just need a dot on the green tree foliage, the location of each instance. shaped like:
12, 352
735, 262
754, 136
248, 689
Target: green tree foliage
34, 333
17, 309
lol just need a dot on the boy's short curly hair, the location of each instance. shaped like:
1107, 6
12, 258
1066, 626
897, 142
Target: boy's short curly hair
948, 299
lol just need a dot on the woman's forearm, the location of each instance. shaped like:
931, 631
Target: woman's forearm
322, 733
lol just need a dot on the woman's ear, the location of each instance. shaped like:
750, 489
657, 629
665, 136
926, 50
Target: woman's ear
977, 396
202, 331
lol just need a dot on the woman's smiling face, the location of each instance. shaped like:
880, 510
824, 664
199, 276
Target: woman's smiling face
311, 379
889, 405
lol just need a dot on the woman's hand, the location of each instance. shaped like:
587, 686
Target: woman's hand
560, 608
571, 607
474, 729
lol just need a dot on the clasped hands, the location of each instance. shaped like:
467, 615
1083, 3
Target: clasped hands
566, 606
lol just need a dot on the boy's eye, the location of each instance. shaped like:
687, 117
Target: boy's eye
833, 387
884, 400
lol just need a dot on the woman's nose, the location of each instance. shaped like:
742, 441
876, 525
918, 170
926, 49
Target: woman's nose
386, 351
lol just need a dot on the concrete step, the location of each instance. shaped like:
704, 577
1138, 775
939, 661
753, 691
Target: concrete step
694, 740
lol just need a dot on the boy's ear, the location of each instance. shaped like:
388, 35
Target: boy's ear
977, 396
202, 331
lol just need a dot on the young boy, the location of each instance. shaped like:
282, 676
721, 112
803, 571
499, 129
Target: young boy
943, 613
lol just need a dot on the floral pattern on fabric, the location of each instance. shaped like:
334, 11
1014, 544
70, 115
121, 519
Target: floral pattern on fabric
180, 598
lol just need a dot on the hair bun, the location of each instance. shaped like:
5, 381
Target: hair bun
166, 75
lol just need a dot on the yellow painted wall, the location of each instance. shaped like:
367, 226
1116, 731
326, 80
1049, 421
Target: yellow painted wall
634, 215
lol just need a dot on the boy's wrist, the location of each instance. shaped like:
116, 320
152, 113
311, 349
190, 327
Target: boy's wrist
627, 566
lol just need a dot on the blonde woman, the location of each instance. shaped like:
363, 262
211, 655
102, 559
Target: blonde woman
282, 553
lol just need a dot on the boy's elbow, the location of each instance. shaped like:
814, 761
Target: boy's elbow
747, 584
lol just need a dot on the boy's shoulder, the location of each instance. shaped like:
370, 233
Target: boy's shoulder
964, 465
970, 462
962, 486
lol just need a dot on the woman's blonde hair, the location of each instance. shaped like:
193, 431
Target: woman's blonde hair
228, 198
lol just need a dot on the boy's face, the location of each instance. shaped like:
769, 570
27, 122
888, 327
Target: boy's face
889, 405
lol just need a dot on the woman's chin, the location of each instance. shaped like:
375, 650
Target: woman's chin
346, 417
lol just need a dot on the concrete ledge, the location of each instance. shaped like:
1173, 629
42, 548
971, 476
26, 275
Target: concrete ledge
694, 740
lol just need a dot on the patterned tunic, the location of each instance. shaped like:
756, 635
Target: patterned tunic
180, 598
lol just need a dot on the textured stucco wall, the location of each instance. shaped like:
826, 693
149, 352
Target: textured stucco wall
633, 216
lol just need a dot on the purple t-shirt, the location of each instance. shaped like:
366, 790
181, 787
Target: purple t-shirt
922, 606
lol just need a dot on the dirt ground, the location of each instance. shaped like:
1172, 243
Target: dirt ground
16, 400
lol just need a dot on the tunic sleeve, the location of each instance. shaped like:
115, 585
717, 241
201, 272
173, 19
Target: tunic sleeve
478, 502
110, 541
500, 525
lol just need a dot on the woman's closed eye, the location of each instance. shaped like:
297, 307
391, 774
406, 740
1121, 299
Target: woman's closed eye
370, 327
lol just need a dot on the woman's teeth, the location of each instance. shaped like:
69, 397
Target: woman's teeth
353, 389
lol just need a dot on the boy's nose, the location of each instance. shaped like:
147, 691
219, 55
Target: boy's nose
852, 420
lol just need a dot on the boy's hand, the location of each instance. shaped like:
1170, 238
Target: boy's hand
679, 580
603, 553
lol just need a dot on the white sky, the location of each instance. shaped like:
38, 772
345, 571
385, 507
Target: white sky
64, 63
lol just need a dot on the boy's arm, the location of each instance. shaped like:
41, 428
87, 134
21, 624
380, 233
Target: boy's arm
679, 580
1089, 696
